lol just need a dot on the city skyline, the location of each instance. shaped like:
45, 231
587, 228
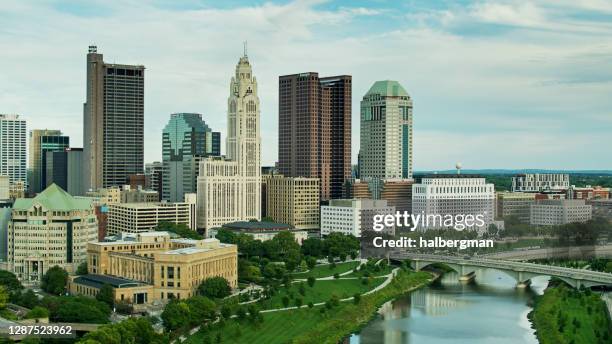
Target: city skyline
433, 50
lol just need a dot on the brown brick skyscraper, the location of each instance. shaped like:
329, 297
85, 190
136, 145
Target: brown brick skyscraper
315, 129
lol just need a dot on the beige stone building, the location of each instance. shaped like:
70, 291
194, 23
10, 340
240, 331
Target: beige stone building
144, 217
293, 200
51, 229
152, 267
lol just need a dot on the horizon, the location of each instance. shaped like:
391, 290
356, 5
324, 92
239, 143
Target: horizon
542, 54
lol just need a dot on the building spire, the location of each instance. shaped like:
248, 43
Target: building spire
245, 48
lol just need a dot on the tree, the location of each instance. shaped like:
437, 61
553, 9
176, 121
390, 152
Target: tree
176, 314
37, 313
267, 219
273, 270
201, 309
215, 287
106, 295
9, 281
77, 309
241, 313
226, 311
302, 289
26, 299
311, 281
4, 296
313, 247
356, 298
311, 262
299, 302
180, 229
285, 301
54, 280
82, 269
340, 245
226, 236
131, 330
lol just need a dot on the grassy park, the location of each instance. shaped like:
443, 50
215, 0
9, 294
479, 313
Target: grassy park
319, 324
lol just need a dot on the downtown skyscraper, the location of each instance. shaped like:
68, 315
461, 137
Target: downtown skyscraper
113, 122
229, 189
13, 148
315, 129
41, 142
386, 132
186, 139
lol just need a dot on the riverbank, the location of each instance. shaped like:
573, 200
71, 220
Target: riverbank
563, 315
350, 317
317, 324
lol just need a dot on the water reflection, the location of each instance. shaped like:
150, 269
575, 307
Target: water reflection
491, 310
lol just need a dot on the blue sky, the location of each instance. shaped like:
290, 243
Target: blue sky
495, 84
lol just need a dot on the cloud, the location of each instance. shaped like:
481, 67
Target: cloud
539, 76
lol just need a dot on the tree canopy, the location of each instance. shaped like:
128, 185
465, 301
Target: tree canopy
215, 287
54, 280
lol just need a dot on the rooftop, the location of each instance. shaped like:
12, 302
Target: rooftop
97, 281
387, 88
259, 225
53, 198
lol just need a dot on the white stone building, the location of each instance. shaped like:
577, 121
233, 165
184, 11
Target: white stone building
455, 195
229, 189
536, 182
354, 216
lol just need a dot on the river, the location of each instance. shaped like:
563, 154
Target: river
489, 310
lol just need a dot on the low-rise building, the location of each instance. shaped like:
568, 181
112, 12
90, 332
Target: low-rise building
559, 212
262, 230
144, 217
151, 267
588, 192
50, 229
137, 194
354, 216
514, 204
601, 208
5, 188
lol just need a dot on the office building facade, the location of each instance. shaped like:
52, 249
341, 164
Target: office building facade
41, 142
186, 135
144, 217
354, 216
559, 212
13, 148
64, 168
293, 200
456, 195
538, 182
113, 122
50, 229
229, 189
151, 267
514, 204
155, 176
386, 132
315, 130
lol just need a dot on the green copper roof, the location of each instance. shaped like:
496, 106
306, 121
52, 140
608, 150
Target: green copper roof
53, 198
387, 88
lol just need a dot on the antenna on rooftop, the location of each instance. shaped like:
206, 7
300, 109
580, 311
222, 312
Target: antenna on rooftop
245, 48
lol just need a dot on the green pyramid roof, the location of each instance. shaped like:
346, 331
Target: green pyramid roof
388, 88
53, 198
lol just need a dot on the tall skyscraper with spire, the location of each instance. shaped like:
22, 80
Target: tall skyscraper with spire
229, 188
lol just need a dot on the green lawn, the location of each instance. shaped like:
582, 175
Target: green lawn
387, 270
310, 325
277, 328
567, 316
325, 271
321, 291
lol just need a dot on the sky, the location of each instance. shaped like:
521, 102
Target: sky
495, 84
